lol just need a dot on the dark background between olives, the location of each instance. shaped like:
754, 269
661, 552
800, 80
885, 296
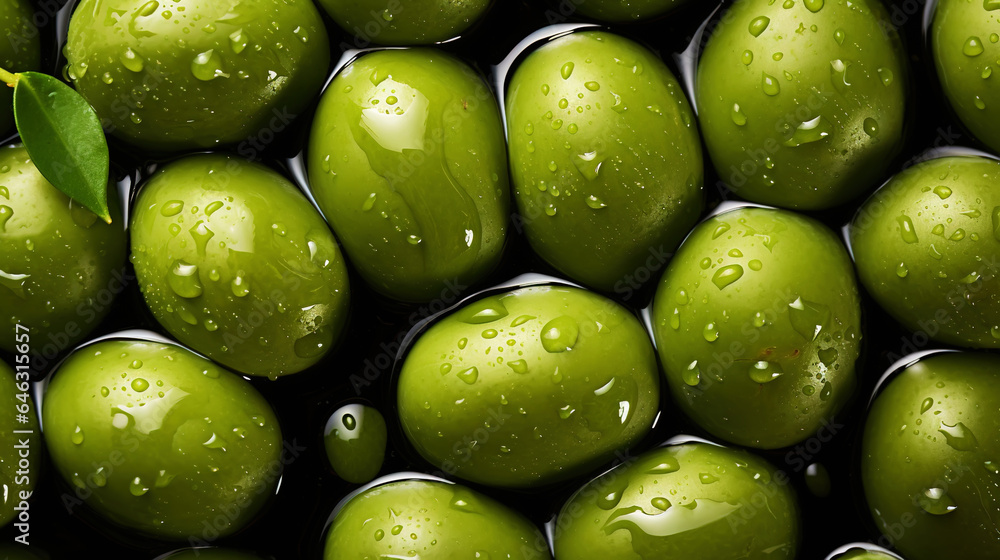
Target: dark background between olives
292, 524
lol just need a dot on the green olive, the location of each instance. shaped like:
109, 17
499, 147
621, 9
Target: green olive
927, 246
355, 439
405, 22
234, 261
802, 104
694, 500
430, 519
605, 158
20, 442
864, 552
622, 11
178, 75
61, 266
407, 161
964, 38
931, 458
529, 387
20, 51
757, 321
160, 440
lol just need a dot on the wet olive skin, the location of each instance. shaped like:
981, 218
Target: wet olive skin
964, 44
160, 440
408, 162
61, 266
623, 11
355, 439
16, 486
750, 110
605, 158
269, 292
927, 247
529, 387
735, 319
694, 500
433, 520
404, 22
948, 404
19, 51
175, 75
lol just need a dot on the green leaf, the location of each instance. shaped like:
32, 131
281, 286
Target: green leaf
64, 139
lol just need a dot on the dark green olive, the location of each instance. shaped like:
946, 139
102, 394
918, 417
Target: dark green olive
19, 51
355, 439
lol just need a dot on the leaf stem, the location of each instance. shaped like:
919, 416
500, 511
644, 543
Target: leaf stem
10, 79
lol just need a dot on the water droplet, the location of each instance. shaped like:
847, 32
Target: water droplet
566, 411
996, 223
77, 436
483, 311
871, 127
692, 374
808, 318
240, 286
660, 503
926, 405
137, 488
747, 57
765, 372
826, 392
901, 270
668, 466
755, 265
566, 71
139, 384
973, 46
172, 208
739, 117
560, 334
105, 391
828, 356
595, 203
201, 235
906, 229
959, 437
131, 61
839, 36
183, 280
990, 5
675, 319
592, 86
727, 275
810, 131
707, 478
813, 5
519, 366
469, 375
710, 332
719, 230
589, 164
808, 390
770, 84
758, 25
936, 501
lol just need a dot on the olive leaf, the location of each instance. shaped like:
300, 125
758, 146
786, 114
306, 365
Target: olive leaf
63, 137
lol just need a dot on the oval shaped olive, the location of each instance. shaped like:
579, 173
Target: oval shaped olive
61, 266
927, 247
424, 518
234, 261
355, 438
694, 500
605, 158
19, 434
404, 22
21, 51
407, 161
802, 104
529, 387
165, 77
758, 325
160, 440
931, 458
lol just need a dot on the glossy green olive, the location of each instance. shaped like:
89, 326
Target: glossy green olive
20, 465
622, 11
61, 267
529, 387
19, 51
175, 75
355, 438
430, 519
802, 104
964, 40
758, 324
694, 500
404, 22
160, 440
605, 158
927, 247
407, 161
236, 263
931, 458
209, 554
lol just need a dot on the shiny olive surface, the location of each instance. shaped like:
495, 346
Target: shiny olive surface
758, 325
430, 519
407, 161
19, 51
605, 158
234, 261
529, 387
61, 267
694, 500
183, 74
161, 441
355, 438
930, 459
927, 247
802, 104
